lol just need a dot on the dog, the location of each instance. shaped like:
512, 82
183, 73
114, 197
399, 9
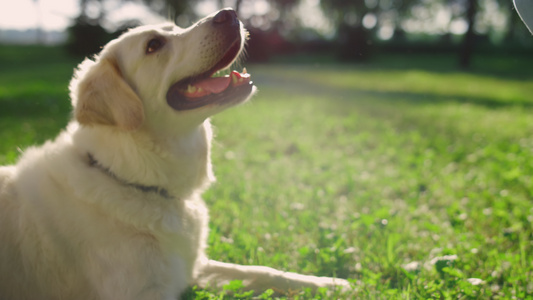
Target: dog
112, 208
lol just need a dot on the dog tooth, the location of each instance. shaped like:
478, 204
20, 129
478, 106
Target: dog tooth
244, 71
191, 89
234, 78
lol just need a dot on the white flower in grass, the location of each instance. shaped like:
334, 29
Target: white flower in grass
475, 281
412, 266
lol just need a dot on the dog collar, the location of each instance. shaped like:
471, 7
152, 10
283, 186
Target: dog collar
143, 188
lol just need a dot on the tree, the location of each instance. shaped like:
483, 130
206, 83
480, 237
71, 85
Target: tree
86, 35
39, 26
171, 8
347, 15
467, 45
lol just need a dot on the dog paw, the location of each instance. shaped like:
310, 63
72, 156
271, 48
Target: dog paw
339, 284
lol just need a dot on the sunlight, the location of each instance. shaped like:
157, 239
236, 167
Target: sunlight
386, 32
20, 14
58, 14
249, 8
27, 21
312, 16
458, 26
205, 7
431, 19
25, 14
131, 11
370, 20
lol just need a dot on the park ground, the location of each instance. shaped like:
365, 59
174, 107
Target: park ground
404, 174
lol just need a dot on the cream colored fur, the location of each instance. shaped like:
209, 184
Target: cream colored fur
70, 230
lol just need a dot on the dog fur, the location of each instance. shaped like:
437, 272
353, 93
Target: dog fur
112, 208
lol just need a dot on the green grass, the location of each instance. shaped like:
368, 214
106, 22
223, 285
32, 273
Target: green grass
410, 178
34, 101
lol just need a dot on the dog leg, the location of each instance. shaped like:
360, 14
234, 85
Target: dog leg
258, 278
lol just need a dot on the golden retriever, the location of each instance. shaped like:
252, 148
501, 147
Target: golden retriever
111, 208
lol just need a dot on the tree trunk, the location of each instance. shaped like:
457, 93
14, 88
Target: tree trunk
238, 6
467, 47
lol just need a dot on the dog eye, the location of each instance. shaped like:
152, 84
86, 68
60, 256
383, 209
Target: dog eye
154, 45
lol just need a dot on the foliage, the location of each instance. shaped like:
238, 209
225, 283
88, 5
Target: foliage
405, 175
86, 38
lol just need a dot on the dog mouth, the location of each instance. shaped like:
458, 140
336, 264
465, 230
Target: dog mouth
208, 88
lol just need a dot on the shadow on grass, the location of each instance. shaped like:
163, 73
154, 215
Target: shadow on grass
502, 66
30, 105
300, 86
34, 81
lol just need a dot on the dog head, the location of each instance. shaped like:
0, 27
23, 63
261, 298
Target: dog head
159, 76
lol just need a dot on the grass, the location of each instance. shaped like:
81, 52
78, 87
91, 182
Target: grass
407, 176
34, 101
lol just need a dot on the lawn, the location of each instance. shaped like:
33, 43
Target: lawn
411, 178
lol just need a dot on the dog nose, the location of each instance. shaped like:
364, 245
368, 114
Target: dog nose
225, 16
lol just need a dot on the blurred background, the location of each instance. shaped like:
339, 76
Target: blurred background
345, 30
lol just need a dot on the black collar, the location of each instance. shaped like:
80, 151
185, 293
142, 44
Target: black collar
147, 189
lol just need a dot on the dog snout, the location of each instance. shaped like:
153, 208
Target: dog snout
226, 17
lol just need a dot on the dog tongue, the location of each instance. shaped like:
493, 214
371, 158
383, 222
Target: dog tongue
214, 85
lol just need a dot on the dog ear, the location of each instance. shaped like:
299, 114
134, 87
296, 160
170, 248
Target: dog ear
104, 97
